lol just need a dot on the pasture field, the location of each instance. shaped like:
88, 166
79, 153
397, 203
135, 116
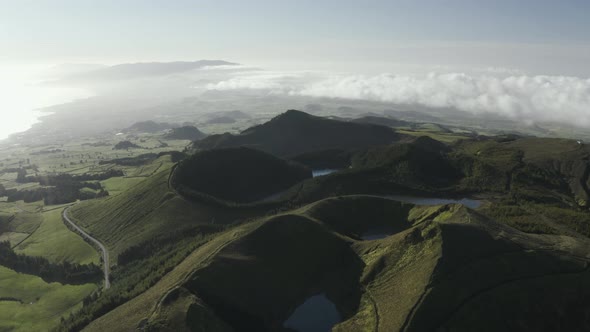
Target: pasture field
36, 305
54, 241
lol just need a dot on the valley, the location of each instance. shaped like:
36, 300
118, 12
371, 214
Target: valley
295, 166
298, 223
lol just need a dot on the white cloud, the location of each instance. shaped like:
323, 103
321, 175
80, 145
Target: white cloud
538, 98
273, 82
529, 98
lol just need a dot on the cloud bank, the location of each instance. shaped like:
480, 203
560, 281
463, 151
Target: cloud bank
529, 98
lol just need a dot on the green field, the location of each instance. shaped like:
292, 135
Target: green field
117, 185
439, 136
13, 237
54, 241
148, 209
182, 262
41, 304
436, 259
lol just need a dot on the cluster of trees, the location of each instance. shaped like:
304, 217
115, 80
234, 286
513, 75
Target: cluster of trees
142, 159
47, 151
66, 273
58, 194
126, 145
17, 169
145, 158
65, 179
61, 188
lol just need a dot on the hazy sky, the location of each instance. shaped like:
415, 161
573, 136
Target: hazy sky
539, 36
527, 59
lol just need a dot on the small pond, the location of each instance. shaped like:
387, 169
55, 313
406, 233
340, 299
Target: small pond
321, 172
316, 314
377, 233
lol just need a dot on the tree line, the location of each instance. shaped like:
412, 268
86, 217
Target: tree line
60, 188
65, 272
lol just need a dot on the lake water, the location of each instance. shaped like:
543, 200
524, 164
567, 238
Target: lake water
316, 314
321, 172
376, 234
468, 202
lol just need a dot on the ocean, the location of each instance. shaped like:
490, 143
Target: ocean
23, 94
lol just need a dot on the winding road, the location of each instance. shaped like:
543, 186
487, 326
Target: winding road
105, 253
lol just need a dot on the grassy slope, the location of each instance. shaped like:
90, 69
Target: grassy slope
13, 237
145, 210
128, 316
240, 175
259, 279
18, 221
119, 184
54, 241
437, 135
231, 247
294, 132
418, 279
421, 279
50, 301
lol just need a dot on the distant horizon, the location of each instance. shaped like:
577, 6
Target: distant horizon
538, 37
526, 59
507, 91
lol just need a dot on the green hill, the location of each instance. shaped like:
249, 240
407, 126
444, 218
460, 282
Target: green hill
213, 261
149, 209
537, 170
295, 132
382, 121
221, 119
239, 175
322, 159
126, 145
186, 132
424, 161
442, 267
148, 127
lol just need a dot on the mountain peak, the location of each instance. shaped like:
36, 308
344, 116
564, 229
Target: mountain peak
293, 114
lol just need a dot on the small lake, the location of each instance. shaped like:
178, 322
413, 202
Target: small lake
316, 314
468, 202
377, 233
322, 172
374, 236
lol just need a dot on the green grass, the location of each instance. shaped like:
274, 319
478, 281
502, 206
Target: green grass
25, 222
276, 239
43, 304
545, 148
439, 136
13, 237
117, 185
54, 241
519, 218
146, 210
440, 257
146, 170
127, 316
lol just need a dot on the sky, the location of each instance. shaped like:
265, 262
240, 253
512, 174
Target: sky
540, 36
526, 59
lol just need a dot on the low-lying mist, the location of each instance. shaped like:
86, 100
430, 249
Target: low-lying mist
182, 91
529, 99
